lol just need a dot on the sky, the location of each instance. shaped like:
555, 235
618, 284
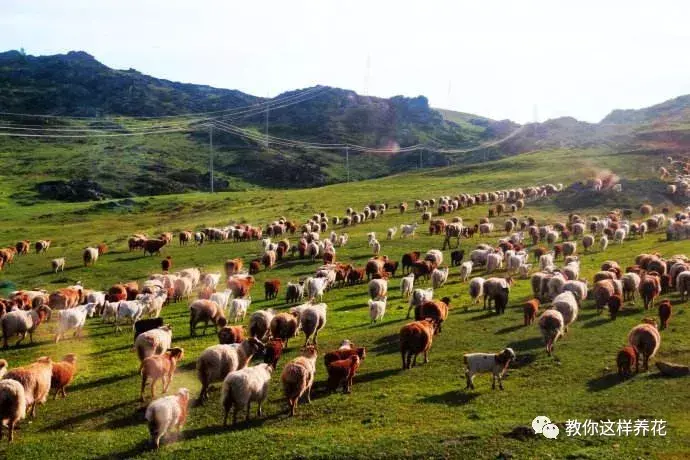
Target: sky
522, 60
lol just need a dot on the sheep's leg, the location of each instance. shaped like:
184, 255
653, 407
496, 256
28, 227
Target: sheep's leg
64, 392
293, 406
143, 386
426, 357
468, 379
20, 339
249, 403
260, 410
402, 353
10, 430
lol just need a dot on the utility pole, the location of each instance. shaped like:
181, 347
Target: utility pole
347, 161
210, 151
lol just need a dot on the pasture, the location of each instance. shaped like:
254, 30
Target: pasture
423, 412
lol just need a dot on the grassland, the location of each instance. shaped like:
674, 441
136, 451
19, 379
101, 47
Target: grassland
423, 412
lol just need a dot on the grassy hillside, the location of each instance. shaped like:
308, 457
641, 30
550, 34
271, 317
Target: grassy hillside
423, 412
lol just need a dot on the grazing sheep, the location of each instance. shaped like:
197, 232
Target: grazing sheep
298, 377
161, 367
551, 326
284, 326
495, 363
238, 308
153, 342
243, 386
466, 270
439, 277
167, 413
312, 320
377, 308
646, 340
73, 318
22, 322
217, 361
35, 378
626, 359
476, 289
205, 311
407, 285
12, 405
665, 310
58, 264
416, 338
530, 311
342, 372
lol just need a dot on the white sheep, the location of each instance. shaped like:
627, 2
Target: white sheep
153, 342
222, 298
577, 287
375, 246
619, 235
12, 405
434, 256
22, 322
408, 230
494, 261
603, 243
406, 285
193, 274
312, 319
566, 304
466, 270
73, 318
216, 361
132, 309
96, 297
58, 264
153, 303
315, 287
391, 233
211, 280
476, 289
244, 386
439, 277
495, 363
546, 260
523, 270
167, 413
377, 308
418, 297
371, 236
238, 308
90, 256
551, 325
109, 311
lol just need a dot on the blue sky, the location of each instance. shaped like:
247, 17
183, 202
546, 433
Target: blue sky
495, 58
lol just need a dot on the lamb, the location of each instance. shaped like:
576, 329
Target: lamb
646, 340
221, 298
12, 405
665, 310
161, 366
58, 264
73, 318
419, 296
439, 277
466, 270
342, 371
391, 233
530, 311
22, 322
35, 378
312, 320
378, 289
153, 342
132, 309
377, 308
217, 361
243, 386
551, 325
167, 413
205, 311
298, 378
416, 338
260, 323
495, 363
406, 286
566, 304
238, 308
603, 243
63, 373
625, 360
408, 230
284, 326
476, 289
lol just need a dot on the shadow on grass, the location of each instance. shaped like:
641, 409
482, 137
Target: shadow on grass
509, 329
451, 398
387, 344
102, 381
604, 382
526, 344
523, 360
110, 350
488, 314
138, 417
373, 376
86, 416
137, 449
596, 322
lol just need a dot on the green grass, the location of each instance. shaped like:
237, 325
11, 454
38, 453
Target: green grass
423, 412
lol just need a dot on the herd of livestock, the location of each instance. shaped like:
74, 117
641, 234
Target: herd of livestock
546, 254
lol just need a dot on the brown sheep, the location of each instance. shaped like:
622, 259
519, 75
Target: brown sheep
159, 367
342, 371
650, 288
35, 378
665, 310
626, 360
615, 304
284, 327
645, 339
298, 377
437, 310
416, 338
231, 334
530, 311
205, 311
63, 373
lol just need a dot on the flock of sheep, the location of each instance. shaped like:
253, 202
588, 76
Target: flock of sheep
228, 362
